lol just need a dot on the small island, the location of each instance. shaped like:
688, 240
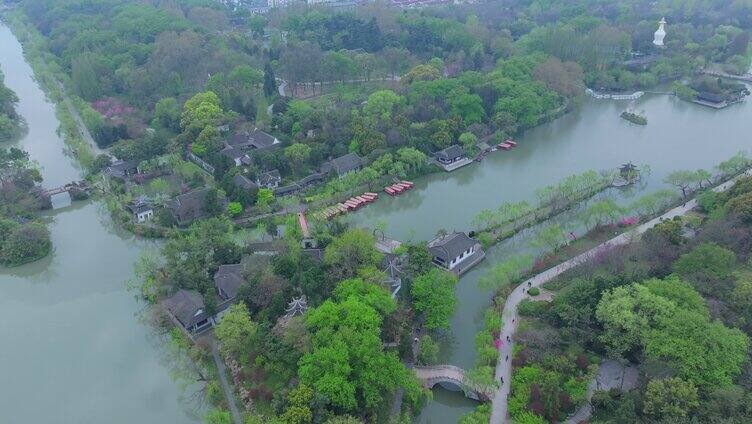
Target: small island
23, 237
716, 93
634, 118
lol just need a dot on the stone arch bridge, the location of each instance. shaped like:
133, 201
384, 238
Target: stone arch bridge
452, 378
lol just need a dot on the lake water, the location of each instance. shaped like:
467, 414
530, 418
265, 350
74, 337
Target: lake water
74, 350
679, 135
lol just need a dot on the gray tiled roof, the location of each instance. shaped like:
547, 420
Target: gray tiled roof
254, 139
232, 152
228, 280
450, 153
343, 164
189, 206
450, 246
269, 178
186, 306
243, 182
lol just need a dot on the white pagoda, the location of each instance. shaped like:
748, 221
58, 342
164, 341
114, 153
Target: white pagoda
660, 34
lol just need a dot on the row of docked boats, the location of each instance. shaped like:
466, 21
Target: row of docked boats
351, 204
398, 188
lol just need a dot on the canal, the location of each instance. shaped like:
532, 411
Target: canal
75, 350
679, 135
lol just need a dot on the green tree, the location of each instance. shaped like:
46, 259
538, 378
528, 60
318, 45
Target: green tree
506, 273
681, 180
236, 330
381, 104
167, 114
200, 111
264, 197
299, 409
550, 238
706, 260
421, 73
468, 140
428, 352
270, 83
218, 416
234, 209
347, 363
298, 154
434, 297
670, 398
469, 107
25, 243
352, 251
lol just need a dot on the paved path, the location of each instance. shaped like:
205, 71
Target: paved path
509, 315
82, 129
226, 387
611, 375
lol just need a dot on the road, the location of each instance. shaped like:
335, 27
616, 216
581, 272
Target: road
509, 314
226, 387
82, 129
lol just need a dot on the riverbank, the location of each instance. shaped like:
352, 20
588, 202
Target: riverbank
83, 347
510, 314
75, 134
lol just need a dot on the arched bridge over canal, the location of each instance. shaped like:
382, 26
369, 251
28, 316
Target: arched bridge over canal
452, 378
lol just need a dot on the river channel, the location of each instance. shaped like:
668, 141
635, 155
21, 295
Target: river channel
679, 135
74, 350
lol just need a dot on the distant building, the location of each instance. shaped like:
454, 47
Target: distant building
343, 164
242, 182
269, 179
256, 139
236, 155
660, 34
122, 169
228, 280
186, 308
188, 207
455, 252
450, 155
141, 210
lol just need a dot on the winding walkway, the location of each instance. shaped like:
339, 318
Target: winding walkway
237, 418
509, 315
83, 130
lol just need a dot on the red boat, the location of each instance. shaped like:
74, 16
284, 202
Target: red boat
408, 183
397, 188
511, 142
505, 146
390, 191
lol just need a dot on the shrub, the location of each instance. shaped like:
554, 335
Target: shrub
234, 209
532, 308
535, 291
742, 206
428, 353
708, 260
